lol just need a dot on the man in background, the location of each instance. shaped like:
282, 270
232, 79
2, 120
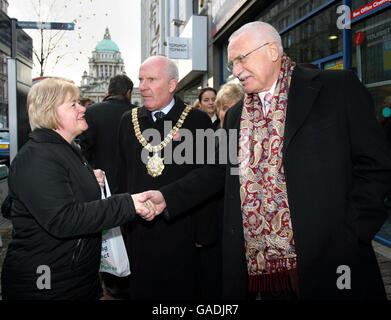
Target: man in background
98, 143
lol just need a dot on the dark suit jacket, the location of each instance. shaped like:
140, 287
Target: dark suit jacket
338, 169
162, 253
99, 142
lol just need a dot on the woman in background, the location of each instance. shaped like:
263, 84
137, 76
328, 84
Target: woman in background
207, 97
229, 95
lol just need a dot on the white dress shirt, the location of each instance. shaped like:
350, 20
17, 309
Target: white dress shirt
262, 98
165, 110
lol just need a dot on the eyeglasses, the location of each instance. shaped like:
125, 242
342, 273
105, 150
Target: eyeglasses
241, 58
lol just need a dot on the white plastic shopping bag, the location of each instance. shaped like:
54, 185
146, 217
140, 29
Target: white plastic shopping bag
114, 258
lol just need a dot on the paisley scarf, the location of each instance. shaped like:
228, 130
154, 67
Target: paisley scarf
268, 234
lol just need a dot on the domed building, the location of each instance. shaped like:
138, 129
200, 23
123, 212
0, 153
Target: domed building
105, 63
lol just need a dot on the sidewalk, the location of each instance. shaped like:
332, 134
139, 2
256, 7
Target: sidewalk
383, 255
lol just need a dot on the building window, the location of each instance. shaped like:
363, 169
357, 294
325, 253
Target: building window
372, 58
319, 32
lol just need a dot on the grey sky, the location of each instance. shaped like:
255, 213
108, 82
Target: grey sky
122, 17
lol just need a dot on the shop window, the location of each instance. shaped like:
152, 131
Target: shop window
371, 60
335, 64
356, 4
371, 57
320, 32
224, 57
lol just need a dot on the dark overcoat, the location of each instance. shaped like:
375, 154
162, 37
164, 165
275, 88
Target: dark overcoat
99, 142
57, 217
162, 254
338, 171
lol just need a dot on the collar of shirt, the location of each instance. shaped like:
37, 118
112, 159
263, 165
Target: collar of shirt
214, 118
263, 94
165, 110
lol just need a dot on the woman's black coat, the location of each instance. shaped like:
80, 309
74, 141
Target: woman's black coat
57, 216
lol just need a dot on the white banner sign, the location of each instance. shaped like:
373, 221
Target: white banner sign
178, 48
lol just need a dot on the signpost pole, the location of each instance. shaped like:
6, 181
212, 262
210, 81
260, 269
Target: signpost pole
347, 41
12, 95
12, 75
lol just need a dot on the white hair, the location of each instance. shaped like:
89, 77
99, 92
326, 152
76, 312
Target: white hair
172, 70
263, 30
171, 67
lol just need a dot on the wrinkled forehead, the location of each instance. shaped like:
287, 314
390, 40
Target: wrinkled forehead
153, 67
241, 44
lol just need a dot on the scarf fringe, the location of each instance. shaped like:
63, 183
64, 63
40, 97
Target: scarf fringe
278, 281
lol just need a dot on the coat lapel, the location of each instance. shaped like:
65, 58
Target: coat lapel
302, 93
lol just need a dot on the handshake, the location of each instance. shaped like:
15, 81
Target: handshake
149, 204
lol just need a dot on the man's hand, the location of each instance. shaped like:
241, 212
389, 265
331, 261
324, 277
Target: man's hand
153, 199
156, 198
145, 208
100, 177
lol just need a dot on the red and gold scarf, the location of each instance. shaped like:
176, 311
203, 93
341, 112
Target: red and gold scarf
270, 247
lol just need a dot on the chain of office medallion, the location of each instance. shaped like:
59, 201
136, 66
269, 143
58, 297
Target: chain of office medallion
167, 139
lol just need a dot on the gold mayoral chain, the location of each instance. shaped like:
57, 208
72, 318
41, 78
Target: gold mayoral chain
155, 164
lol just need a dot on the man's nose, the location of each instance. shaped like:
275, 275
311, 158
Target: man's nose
237, 70
142, 85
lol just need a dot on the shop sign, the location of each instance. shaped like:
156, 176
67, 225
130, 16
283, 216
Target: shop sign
178, 48
334, 65
369, 7
358, 38
45, 25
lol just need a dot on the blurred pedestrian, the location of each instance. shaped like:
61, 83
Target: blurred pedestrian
98, 143
229, 94
86, 102
386, 108
196, 104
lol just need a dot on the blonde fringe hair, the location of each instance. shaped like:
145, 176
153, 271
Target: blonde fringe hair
45, 97
228, 93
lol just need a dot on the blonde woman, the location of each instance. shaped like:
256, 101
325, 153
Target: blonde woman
56, 209
228, 95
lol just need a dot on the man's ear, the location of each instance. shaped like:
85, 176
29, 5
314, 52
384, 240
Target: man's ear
172, 84
274, 51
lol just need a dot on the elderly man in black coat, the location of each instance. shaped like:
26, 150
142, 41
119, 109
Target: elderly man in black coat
156, 146
306, 194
